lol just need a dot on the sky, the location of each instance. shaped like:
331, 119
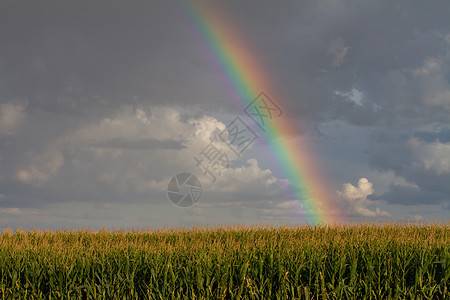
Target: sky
102, 103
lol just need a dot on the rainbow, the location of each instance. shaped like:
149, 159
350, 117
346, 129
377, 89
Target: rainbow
246, 78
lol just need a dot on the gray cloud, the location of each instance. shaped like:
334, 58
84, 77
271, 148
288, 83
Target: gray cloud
424, 165
412, 195
337, 50
143, 144
439, 134
75, 76
76, 57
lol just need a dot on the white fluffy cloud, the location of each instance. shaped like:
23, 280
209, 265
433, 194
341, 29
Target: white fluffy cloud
251, 179
14, 211
41, 168
135, 152
430, 66
432, 78
11, 115
355, 201
337, 50
354, 96
432, 157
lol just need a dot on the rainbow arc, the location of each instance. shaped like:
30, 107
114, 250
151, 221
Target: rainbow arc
246, 79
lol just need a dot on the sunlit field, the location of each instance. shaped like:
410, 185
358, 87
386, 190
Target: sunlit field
391, 261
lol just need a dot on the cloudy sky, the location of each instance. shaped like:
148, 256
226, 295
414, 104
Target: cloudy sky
102, 103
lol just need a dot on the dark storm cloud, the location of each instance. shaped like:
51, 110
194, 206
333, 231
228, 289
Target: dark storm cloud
382, 40
76, 56
442, 135
407, 195
423, 164
70, 64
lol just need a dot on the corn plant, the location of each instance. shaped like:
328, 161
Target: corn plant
366, 261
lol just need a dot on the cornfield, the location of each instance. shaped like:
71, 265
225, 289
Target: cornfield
366, 261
